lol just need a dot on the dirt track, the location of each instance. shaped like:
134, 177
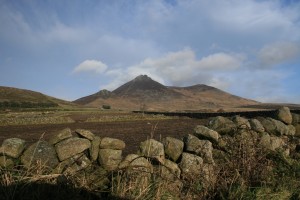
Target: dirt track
132, 132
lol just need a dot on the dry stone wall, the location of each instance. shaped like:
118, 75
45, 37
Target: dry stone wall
192, 157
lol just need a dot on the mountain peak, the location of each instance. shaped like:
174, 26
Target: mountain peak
142, 78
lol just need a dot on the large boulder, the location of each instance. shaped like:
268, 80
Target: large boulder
203, 132
63, 134
222, 125
276, 127
85, 133
256, 126
202, 148
241, 122
70, 147
94, 149
112, 143
190, 166
283, 114
173, 148
42, 153
12, 147
109, 159
153, 149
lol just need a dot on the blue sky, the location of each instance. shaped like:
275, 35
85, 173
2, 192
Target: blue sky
70, 49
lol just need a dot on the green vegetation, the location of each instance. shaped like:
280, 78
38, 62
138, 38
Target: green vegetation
26, 104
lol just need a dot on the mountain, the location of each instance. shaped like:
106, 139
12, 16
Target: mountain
145, 93
15, 97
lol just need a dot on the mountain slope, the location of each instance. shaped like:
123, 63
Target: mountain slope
11, 97
145, 93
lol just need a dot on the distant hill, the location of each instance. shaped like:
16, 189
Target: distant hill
147, 94
14, 97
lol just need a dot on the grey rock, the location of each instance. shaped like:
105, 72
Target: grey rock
6, 162
109, 159
63, 134
190, 165
283, 114
40, 152
153, 149
85, 133
170, 170
296, 119
241, 122
12, 147
271, 142
136, 162
173, 147
73, 164
70, 147
202, 148
112, 143
256, 126
94, 149
222, 125
276, 127
206, 133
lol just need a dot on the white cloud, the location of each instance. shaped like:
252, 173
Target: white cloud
180, 68
92, 66
278, 52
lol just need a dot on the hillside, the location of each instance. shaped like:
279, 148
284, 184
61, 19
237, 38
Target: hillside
147, 94
15, 97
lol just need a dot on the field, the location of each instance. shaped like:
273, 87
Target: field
133, 128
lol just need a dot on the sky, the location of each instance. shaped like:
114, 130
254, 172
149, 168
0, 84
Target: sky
73, 48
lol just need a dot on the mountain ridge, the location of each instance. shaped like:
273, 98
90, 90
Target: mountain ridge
143, 90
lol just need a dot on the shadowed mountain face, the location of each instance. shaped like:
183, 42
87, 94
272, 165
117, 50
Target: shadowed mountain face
145, 92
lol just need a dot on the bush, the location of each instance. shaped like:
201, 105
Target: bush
106, 107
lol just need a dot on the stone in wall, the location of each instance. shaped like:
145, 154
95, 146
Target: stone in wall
173, 147
153, 149
94, 149
241, 122
190, 165
73, 164
202, 148
222, 125
170, 170
85, 133
112, 143
6, 162
283, 114
256, 126
70, 147
109, 159
275, 127
12, 147
61, 135
203, 132
136, 162
42, 152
